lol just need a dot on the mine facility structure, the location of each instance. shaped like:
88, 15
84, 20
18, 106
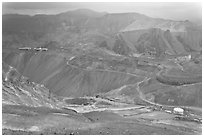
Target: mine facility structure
25, 48
40, 49
179, 58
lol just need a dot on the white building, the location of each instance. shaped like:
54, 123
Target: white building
178, 111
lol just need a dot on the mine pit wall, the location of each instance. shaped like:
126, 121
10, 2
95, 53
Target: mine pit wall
178, 81
173, 95
77, 82
65, 80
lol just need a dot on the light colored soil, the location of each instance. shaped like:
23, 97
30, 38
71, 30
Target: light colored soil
96, 123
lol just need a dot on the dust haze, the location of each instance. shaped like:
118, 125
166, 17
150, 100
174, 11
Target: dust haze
168, 10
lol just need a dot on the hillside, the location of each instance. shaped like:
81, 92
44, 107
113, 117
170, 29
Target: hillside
51, 69
140, 33
86, 72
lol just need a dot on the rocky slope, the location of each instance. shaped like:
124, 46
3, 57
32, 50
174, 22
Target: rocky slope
98, 73
52, 70
176, 36
133, 31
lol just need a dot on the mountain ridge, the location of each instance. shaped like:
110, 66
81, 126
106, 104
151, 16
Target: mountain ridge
74, 26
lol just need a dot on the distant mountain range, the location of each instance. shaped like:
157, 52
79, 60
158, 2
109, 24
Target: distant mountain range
123, 33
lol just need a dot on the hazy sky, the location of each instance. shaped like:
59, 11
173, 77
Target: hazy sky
173, 10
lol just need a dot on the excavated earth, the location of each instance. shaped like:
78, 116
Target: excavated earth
90, 73
57, 92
